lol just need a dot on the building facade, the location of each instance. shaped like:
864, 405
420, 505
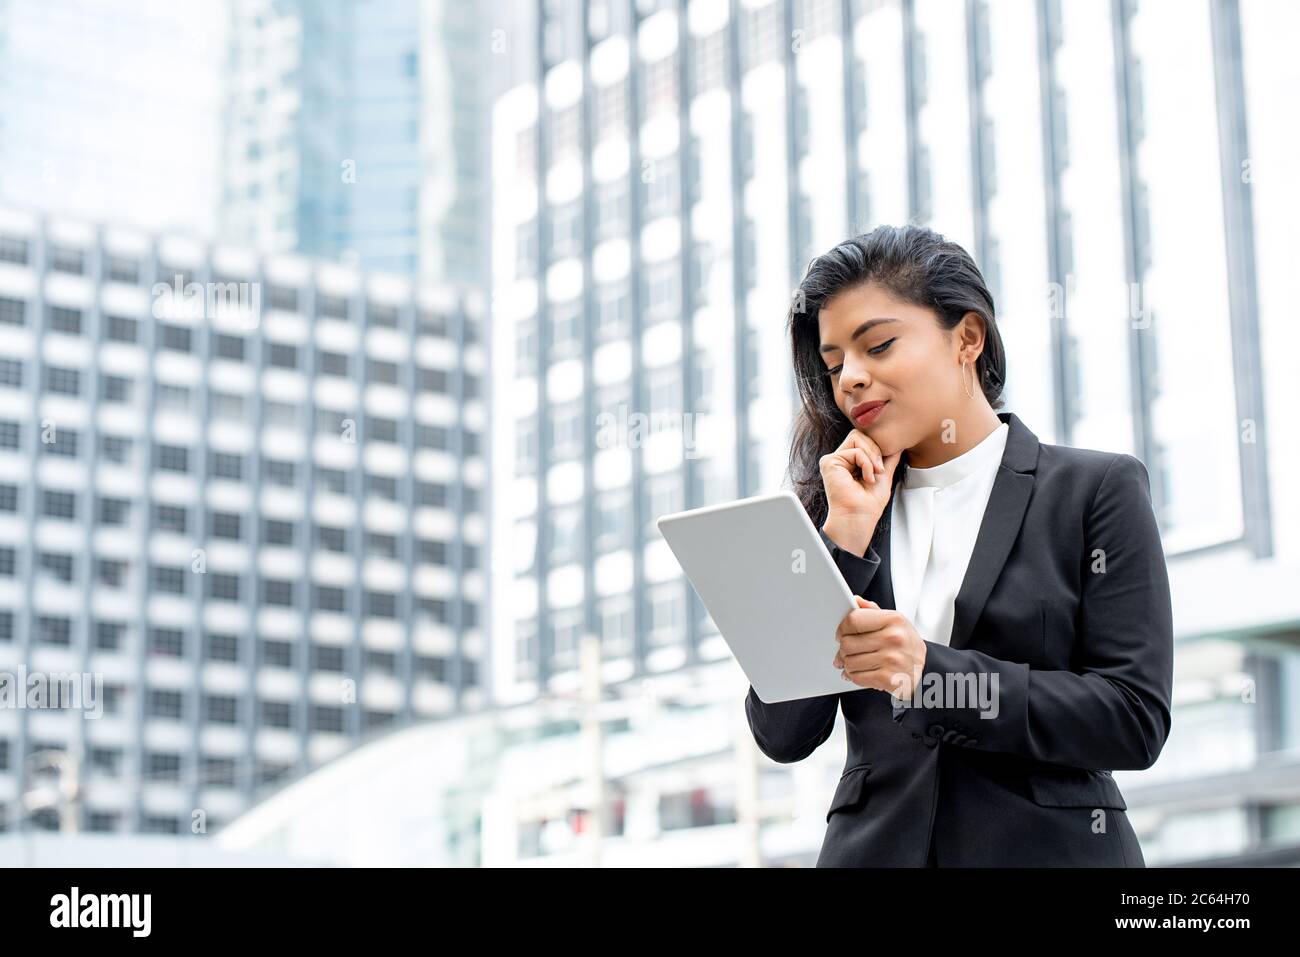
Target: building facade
243, 493
358, 132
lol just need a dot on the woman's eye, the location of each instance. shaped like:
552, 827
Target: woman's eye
875, 352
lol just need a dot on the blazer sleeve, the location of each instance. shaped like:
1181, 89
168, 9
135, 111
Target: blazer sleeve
789, 731
1113, 712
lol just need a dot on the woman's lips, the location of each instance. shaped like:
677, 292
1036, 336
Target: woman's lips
870, 413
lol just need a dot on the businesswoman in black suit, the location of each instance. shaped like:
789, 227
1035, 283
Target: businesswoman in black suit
1063, 613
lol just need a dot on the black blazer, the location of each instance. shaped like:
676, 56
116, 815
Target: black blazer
1066, 600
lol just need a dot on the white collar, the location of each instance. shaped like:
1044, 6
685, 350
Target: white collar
986, 453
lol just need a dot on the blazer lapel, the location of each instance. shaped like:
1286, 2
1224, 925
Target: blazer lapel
999, 528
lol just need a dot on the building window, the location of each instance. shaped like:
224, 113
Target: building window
526, 249
661, 189
612, 218
164, 704
566, 524
332, 480
13, 249
115, 389
385, 317
167, 641
168, 578
663, 295
611, 109
63, 381
613, 316
565, 130
222, 647
284, 356
115, 449
613, 531
11, 373
54, 630
171, 458
327, 658
333, 307
122, 329
121, 269
114, 511
175, 338
66, 259
378, 370
161, 766
277, 592
228, 347
109, 635
278, 654
224, 525
566, 329
277, 714
56, 564
60, 442
228, 407
331, 539
660, 86
12, 312
381, 604
278, 473
277, 532
325, 718
226, 465
709, 62
171, 518
331, 363
59, 504
566, 230
174, 398
384, 546
282, 298
329, 598
221, 709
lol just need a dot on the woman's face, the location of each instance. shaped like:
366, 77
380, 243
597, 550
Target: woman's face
879, 348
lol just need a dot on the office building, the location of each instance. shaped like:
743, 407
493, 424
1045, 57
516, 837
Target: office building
245, 494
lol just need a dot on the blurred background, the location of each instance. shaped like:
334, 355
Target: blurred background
349, 351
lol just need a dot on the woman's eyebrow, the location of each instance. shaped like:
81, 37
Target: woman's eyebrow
862, 329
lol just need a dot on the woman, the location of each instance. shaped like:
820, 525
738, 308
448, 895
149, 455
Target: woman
1014, 639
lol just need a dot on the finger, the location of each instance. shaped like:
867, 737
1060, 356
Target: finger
865, 465
863, 621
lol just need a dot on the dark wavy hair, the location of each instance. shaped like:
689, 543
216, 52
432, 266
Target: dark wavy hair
916, 265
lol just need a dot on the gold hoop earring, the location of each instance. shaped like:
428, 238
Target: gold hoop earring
963, 380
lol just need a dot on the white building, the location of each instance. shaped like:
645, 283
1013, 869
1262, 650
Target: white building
246, 494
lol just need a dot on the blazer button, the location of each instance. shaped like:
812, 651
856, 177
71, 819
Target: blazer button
959, 739
969, 741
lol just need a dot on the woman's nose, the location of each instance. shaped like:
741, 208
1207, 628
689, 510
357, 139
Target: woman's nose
850, 379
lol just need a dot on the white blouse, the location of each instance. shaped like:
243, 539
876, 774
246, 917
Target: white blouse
936, 517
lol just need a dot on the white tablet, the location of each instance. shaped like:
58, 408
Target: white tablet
772, 588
